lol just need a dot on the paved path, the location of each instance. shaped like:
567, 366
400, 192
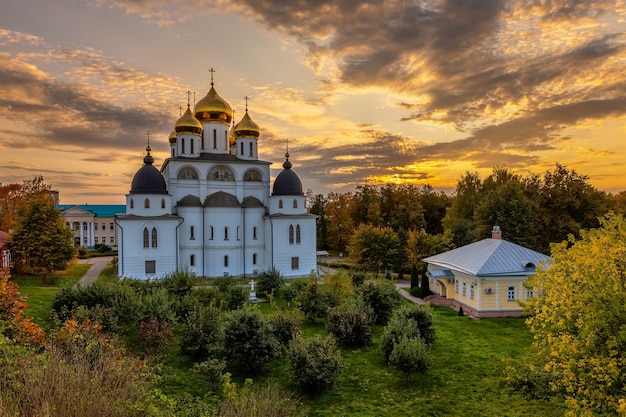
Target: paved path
97, 265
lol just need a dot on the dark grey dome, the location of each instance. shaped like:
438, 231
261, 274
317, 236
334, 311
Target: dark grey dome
189, 201
287, 182
148, 179
251, 201
221, 199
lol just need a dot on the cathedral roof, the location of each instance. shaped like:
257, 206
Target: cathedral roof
246, 127
287, 182
148, 179
188, 123
251, 202
189, 201
221, 199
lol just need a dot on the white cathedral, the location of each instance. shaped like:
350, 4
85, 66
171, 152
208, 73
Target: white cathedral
209, 210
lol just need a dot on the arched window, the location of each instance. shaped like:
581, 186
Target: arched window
290, 234
191, 145
162, 203
203, 139
295, 203
221, 173
211, 234
280, 203
132, 203
154, 237
226, 233
187, 174
254, 259
252, 175
182, 145
146, 203
250, 148
146, 238
298, 234
225, 260
214, 139
192, 233
237, 232
242, 148
192, 260
254, 232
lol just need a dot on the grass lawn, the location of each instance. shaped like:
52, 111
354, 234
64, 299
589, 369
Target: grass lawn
464, 380
40, 292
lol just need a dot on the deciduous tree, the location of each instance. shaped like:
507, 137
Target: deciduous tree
577, 319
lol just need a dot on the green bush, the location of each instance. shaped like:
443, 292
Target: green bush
156, 302
312, 300
248, 340
155, 336
201, 333
381, 295
351, 324
396, 329
409, 356
291, 290
270, 281
178, 283
422, 319
358, 278
100, 293
286, 325
212, 372
315, 363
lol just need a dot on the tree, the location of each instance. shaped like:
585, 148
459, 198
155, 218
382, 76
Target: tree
351, 324
249, 342
314, 363
410, 355
339, 208
375, 249
12, 306
381, 296
270, 281
577, 318
319, 207
40, 242
459, 219
12, 196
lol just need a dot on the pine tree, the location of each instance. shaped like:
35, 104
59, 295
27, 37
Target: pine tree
414, 276
425, 288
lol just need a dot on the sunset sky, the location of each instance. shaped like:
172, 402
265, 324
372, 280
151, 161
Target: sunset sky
364, 91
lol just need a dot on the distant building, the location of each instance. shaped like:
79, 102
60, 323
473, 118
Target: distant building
92, 224
486, 278
5, 254
209, 209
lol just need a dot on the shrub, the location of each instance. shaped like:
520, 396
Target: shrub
267, 400
155, 336
338, 286
201, 331
410, 355
286, 325
212, 371
381, 295
358, 278
350, 324
270, 281
178, 283
291, 290
415, 280
248, 341
312, 300
158, 303
422, 319
100, 293
315, 363
397, 329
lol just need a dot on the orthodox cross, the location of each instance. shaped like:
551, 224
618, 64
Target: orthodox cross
189, 97
211, 71
247, 98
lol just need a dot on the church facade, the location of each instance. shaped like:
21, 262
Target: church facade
211, 209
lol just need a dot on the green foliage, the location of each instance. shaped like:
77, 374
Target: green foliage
410, 355
40, 242
312, 300
201, 330
338, 286
270, 281
425, 282
178, 283
291, 290
415, 279
375, 248
212, 372
397, 329
248, 340
267, 400
155, 336
286, 325
232, 296
577, 318
314, 363
381, 296
351, 324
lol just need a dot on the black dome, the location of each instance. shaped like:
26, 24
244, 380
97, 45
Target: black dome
148, 179
287, 182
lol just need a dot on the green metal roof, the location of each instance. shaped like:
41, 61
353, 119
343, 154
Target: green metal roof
99, 210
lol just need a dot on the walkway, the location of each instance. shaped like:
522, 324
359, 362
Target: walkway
97, 265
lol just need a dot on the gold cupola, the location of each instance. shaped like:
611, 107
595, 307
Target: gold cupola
188, 123
172, 138
213, 108
246, 127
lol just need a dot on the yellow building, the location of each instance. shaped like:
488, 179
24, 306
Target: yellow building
486, 278
92, 224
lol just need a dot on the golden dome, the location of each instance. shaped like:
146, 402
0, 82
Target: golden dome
188, 124
172, 137
246, 127
213, 108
